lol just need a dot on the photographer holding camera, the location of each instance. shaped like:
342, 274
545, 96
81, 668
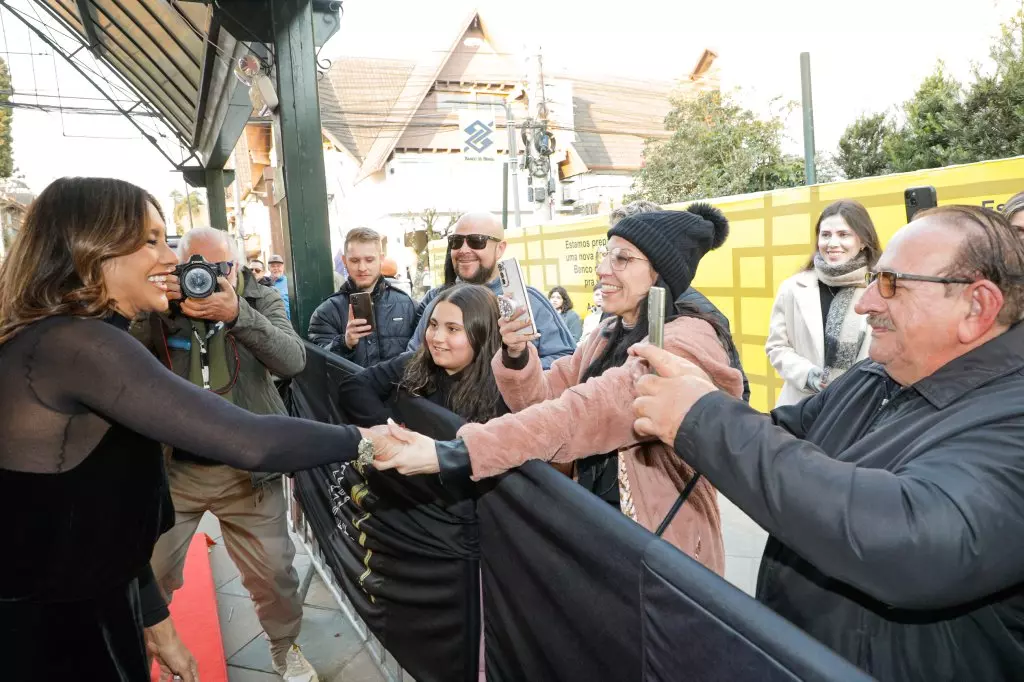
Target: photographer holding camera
230, 334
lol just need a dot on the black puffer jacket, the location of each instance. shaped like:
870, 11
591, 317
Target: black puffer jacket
395, 314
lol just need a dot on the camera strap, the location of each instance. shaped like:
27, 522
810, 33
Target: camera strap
204, 356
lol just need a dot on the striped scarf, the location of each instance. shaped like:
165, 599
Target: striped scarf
843, 332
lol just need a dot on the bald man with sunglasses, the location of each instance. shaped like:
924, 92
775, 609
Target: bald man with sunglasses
895, 497
476, 245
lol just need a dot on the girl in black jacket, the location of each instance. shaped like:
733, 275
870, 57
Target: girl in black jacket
451, 368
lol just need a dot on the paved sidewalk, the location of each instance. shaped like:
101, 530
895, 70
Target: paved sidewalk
328, 639
744, 545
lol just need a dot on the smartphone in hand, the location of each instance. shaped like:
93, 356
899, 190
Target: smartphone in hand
656, 317
513, 286
362, 307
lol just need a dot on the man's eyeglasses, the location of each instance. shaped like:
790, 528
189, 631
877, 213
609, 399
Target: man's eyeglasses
620, 259
886, 280
476, 241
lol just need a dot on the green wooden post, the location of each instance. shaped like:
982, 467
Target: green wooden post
307, 231
215, 201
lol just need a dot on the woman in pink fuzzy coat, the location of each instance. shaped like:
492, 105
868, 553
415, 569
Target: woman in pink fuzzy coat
578, 414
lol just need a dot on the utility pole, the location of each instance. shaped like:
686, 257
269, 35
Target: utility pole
539, 142
808, 107
542, 113
511, 166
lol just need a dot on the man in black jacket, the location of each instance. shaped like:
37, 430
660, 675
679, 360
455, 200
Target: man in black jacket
894, 498
333, 326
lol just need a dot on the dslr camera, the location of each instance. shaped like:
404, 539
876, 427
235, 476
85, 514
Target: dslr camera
198, 278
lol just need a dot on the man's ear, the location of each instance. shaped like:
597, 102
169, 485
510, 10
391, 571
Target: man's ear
500, 251
985, 304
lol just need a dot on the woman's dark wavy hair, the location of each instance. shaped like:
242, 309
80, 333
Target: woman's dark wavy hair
55, 266
566, 301
451, 277
475, 397
859, 220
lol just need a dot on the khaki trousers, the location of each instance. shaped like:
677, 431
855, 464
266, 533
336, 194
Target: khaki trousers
255, 534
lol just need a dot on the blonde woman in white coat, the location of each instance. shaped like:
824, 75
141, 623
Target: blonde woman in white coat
815, 334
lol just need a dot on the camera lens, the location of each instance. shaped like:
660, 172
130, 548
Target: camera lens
197, 283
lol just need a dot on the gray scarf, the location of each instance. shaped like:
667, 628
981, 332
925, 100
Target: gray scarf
843, 332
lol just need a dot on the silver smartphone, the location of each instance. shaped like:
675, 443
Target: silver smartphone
513, 286
656, 317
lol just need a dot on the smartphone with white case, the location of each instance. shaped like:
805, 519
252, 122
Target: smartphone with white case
513, 287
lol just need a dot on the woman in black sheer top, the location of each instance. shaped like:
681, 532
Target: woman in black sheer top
83, 492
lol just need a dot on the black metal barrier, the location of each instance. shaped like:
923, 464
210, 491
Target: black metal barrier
572, 590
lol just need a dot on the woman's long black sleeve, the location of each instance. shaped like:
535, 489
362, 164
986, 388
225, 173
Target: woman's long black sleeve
363, 395
154, 606
91, 364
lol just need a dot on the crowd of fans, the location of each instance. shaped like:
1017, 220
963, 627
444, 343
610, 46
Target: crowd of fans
889, 476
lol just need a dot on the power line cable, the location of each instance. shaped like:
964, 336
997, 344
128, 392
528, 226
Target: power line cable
99, 72
44, 93
96, 111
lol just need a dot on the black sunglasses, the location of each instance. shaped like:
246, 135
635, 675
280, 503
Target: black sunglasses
886, 280
475, 241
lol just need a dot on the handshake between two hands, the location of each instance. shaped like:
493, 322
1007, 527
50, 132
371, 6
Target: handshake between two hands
397, 448
663, 401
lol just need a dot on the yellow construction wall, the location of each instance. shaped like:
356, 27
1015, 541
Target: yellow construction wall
771, 237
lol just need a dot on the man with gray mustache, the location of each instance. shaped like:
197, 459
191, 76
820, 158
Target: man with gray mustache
895, 497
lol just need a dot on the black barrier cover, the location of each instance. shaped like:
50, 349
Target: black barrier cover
404, 550
575, 591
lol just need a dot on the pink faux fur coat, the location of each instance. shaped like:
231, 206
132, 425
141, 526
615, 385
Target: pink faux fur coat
557, 419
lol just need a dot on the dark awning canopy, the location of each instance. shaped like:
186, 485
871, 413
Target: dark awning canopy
157, 46
174, 59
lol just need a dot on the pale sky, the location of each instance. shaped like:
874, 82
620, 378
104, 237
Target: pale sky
866, 56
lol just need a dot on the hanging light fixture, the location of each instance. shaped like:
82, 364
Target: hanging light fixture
247, 68
475, 34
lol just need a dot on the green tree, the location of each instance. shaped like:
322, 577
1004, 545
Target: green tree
993, 106
428, 225
827, 168
194, 205
945, 123
717, 148
6, 121
862, 147
932, 135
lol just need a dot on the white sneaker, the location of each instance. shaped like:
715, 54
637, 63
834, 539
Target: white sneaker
297, 668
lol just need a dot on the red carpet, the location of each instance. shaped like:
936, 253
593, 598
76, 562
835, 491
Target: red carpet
194, 610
